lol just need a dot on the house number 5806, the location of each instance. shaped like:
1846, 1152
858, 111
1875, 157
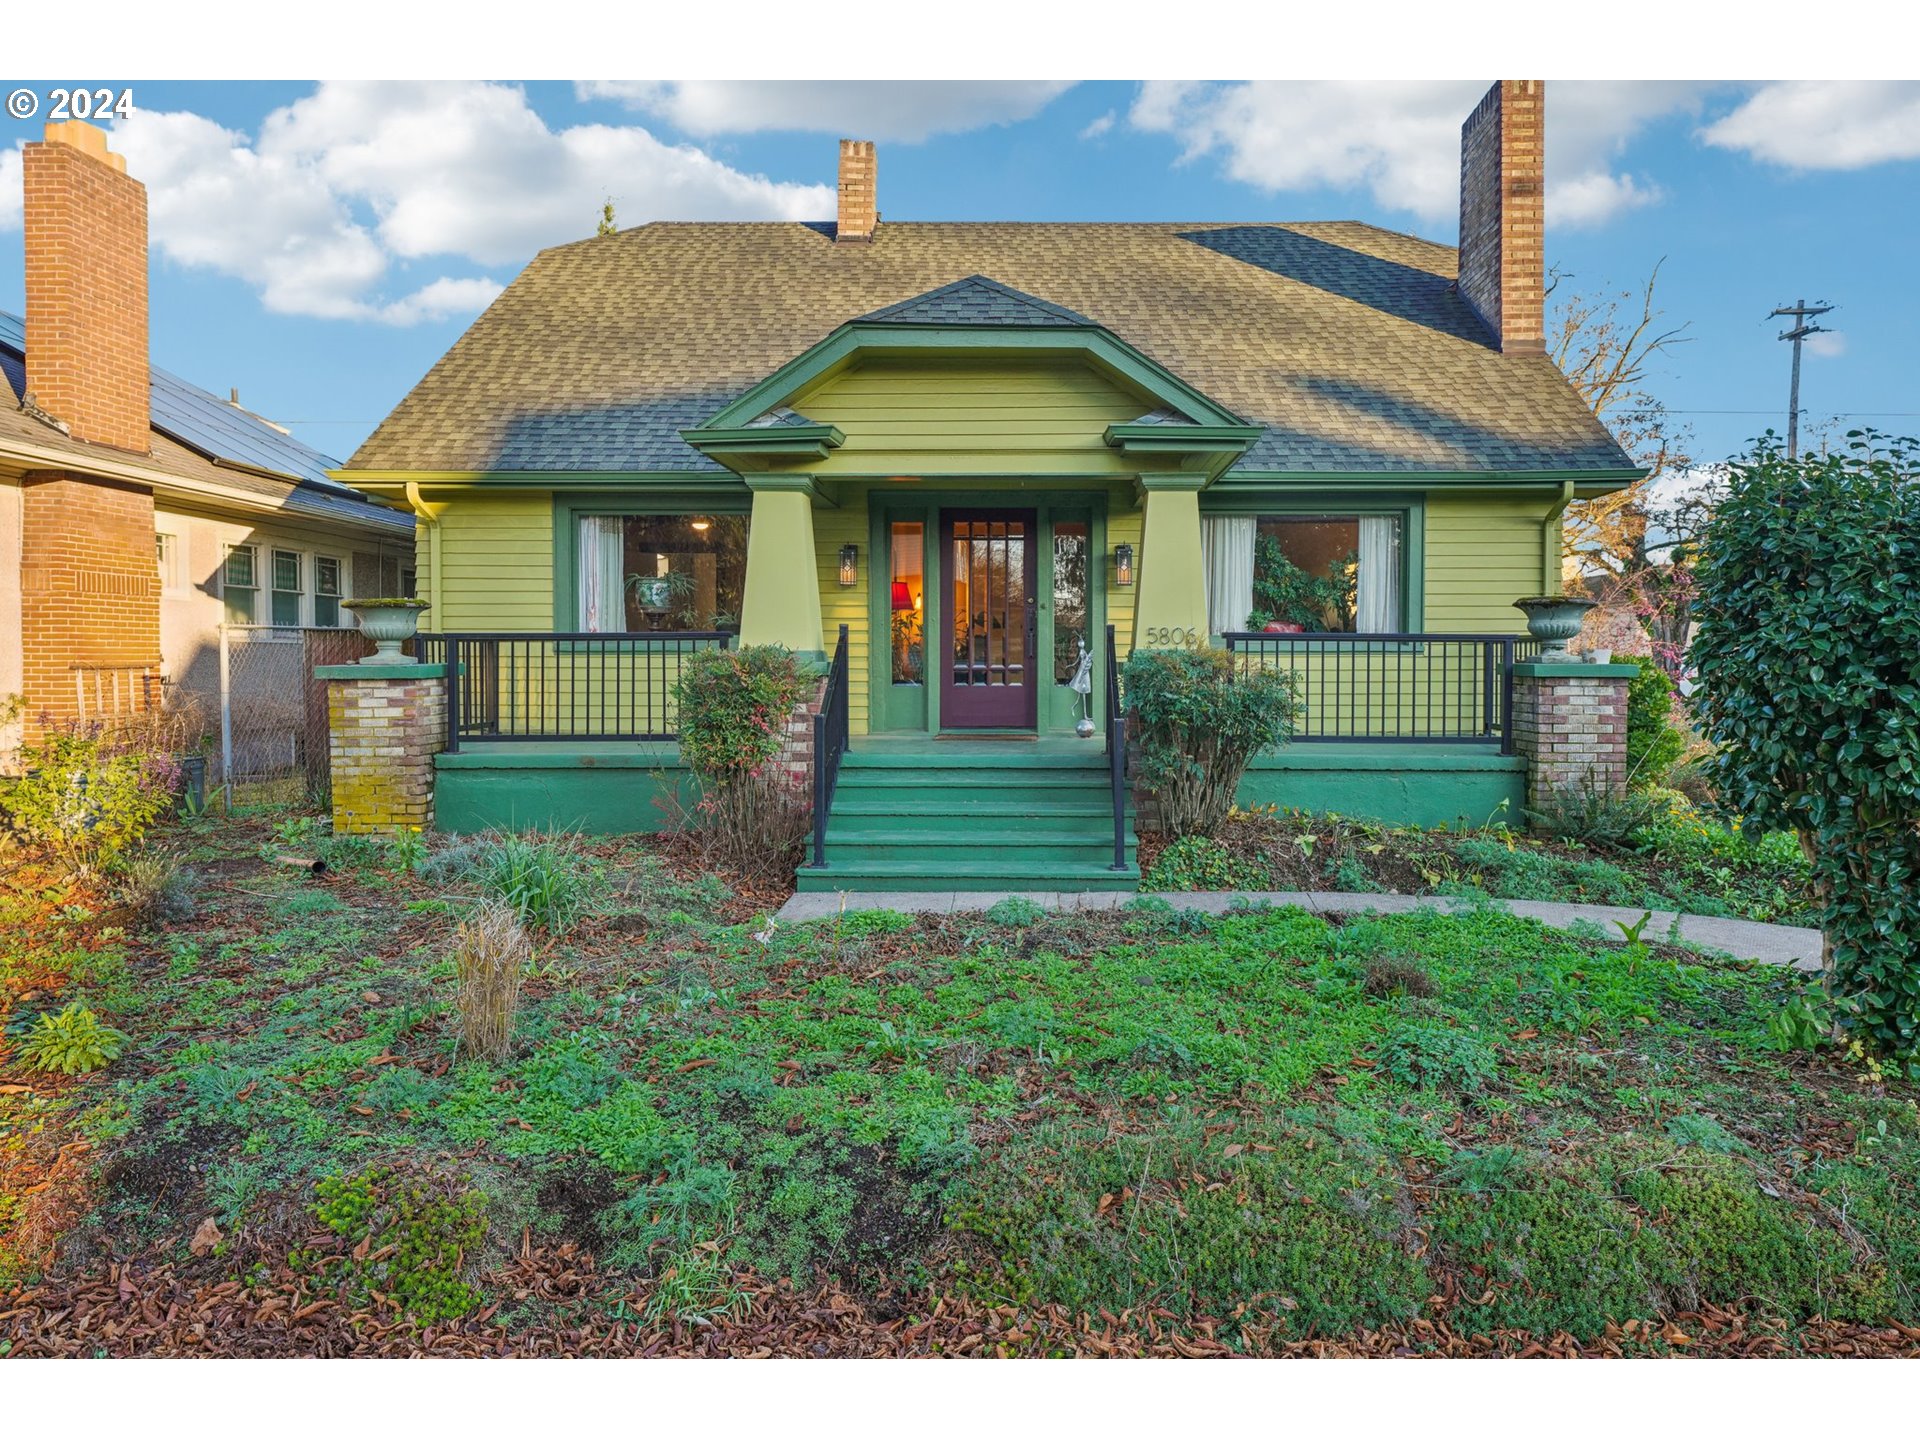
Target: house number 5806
1173, 635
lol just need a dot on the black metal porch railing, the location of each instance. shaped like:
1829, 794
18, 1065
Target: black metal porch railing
1391, 689
528, 686
829, 745
1116, 753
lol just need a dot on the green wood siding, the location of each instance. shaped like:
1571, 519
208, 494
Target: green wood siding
1483, 553
496, 548
833, 527
989, 416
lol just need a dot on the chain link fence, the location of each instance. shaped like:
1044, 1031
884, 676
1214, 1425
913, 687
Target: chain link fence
272, 711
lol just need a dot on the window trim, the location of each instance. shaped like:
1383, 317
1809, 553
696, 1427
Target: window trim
340, 595
169, 565
252, 592
568, 510
1411, 509
299, 593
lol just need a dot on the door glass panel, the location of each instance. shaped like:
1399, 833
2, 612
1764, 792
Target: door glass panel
1071, 548
907, 601
989, 602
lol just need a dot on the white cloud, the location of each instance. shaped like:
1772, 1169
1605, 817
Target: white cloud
1099, 126
1825, 124
1401, 139
343, 190
904, 110
441, 300
1828, 344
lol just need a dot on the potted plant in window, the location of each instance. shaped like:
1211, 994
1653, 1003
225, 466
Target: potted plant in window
1554, 619
388, 621
658, 594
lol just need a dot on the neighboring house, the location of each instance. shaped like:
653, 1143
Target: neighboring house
976, 447
136, 510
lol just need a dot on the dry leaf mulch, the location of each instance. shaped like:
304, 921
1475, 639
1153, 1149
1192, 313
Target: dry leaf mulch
154, 1307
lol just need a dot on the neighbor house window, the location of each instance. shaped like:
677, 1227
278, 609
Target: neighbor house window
286, 587
326, 590
240, 584
166, 555
1317, 573
661, 572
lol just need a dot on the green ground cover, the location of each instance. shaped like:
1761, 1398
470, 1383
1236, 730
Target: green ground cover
1680, 858
1258, 1128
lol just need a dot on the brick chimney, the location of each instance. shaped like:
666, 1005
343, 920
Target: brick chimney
86, 253
1502, 214
859, 191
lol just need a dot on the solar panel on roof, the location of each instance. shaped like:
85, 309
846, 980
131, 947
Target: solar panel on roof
206, 423
212, 426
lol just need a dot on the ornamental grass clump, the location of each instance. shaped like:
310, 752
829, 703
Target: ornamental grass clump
1809, 661
490, 955
1200, 722
753, 812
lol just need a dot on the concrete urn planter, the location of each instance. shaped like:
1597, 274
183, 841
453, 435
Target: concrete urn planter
1554, 620
389, 624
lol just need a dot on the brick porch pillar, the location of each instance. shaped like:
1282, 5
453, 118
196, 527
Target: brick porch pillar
385, 723
1570, 722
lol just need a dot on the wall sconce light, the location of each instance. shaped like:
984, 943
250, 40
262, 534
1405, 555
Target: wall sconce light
1123, 564
902, 596
849, 565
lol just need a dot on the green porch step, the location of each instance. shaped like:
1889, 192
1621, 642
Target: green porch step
1031, 849
966, 875
974, 817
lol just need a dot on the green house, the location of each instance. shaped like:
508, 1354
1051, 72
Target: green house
973, 450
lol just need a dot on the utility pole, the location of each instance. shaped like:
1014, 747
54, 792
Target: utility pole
1801, 313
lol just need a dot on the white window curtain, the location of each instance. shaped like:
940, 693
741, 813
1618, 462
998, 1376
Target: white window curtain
603, 600
1377, 607
1226, 554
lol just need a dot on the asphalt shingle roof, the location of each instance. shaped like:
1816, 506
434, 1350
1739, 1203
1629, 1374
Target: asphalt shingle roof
1347, 343
241, 440
975, 300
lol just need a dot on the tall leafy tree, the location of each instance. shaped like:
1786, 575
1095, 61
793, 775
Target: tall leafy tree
1809, 659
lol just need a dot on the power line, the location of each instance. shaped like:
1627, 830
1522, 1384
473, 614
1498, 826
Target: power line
1801, 313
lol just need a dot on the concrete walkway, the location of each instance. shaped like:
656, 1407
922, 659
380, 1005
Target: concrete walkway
1743, 939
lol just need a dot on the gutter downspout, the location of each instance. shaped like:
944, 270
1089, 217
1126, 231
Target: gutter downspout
430, 516
1550, 581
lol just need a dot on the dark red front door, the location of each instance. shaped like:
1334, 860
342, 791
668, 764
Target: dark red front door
989, 680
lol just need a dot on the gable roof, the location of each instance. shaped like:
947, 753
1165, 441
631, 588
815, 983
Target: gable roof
1348, 345
199, 436
975, 300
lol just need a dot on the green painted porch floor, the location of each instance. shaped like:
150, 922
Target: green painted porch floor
924, 814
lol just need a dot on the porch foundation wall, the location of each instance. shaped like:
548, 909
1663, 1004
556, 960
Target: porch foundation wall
1570, 726
385, 724
1412, 785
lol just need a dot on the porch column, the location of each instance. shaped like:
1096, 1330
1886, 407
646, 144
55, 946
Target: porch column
1171, 608
782, 601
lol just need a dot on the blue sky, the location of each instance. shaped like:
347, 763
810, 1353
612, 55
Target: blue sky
320, 246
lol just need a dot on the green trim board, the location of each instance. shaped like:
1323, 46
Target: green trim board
569, 508
788, 443
906, 709
395, 670
1411, 508
1573, 670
